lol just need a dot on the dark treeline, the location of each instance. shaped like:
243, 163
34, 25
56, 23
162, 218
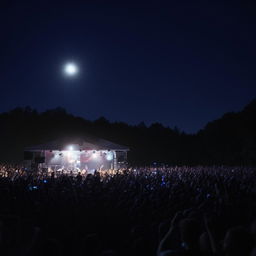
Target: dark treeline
230, 140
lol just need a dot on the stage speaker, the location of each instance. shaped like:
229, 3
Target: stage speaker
28, 155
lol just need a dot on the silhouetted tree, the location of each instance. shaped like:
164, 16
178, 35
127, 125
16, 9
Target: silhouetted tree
229, 140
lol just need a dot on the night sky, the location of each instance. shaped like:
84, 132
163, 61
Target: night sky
181, 63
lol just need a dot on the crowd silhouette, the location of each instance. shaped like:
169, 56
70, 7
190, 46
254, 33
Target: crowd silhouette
139, 211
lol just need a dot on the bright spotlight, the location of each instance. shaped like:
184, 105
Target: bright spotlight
70, 148
94, 154
70, 69
109, 156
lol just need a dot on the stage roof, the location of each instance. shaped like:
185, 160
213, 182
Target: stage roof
88, 143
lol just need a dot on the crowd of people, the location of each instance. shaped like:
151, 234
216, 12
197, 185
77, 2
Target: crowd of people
139, 211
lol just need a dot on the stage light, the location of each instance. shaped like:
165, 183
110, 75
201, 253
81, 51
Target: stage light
70, 148
109, 156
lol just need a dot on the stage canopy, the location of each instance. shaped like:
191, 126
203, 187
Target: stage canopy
84, 153
88, 143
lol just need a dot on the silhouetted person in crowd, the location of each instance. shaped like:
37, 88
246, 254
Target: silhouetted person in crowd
79, 177
237, 242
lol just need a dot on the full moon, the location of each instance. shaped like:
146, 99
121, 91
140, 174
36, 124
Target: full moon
70, 69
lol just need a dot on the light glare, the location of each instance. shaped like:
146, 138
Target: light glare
94, 154
109, 156
70, 69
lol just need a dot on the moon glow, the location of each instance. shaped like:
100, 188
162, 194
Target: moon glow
70, 69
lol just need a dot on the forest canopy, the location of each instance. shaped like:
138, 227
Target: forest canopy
229, 140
